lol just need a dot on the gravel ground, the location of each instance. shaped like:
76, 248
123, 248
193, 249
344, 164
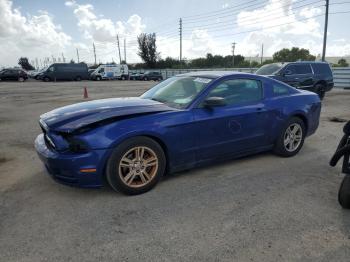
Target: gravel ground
257, 208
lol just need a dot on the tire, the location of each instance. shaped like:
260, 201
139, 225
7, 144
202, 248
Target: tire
344, 192
123, 78
21, 79
78, 78
289, 143
127, 175
160, 79
98, 78
145, 79
320, 90
46, 79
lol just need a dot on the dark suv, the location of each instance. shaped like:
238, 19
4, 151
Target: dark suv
16, 74
156, 76
313, 76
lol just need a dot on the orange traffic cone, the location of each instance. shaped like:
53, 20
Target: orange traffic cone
86, 95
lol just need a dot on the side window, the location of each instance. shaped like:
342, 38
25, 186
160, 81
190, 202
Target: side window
238, 91
291, 69
303, 69
323, 69
280, 90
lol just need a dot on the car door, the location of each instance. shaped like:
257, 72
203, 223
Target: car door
5, 75
238, 126
298, 75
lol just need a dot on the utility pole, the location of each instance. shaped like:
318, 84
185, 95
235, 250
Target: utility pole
325, 32
78, 54
180, 28
93, 44
120, 57
233, 54
125, 50
262, 53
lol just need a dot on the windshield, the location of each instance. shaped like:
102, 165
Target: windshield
177, 92
269, 69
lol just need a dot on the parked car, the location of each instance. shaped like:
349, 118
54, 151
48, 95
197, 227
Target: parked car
313, 76
156, 76
112, 71
14, 74
343, 151
38, 74
65, 71
136, 76
90, 71
182, 122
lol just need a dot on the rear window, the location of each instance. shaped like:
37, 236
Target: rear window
279, 89
322, 69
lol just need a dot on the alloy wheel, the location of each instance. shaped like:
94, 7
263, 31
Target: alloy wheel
293, 137
138, 166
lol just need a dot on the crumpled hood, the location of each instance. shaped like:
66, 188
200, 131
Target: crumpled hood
72, 117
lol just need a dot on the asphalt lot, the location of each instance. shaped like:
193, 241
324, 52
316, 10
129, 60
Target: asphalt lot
258, 208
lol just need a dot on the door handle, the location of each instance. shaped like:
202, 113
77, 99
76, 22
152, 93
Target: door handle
260, 109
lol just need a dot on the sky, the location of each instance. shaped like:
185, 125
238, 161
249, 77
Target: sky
41, 29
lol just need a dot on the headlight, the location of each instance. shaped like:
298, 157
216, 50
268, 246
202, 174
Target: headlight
76, 145
49, 141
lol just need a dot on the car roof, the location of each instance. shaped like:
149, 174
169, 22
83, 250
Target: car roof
213, 74
307, 62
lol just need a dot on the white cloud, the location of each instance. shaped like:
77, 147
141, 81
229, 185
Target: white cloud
281, 25
103, 31
31, 36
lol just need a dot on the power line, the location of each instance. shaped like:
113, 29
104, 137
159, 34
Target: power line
268, 13
254, 30
217, 11
259, 19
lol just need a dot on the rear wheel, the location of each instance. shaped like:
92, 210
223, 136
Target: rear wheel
21, 79
78, 78
98, 78
123, 78
291, 138
136, 166
46, 79
344, 192
320, 90
146, 79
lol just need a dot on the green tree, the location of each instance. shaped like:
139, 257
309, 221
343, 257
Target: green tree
342, 63
24, 63
148, 49
292, 55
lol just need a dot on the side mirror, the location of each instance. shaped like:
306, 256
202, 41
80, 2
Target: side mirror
214, 101
287, 72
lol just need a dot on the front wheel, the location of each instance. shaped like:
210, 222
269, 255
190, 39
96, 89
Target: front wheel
291, 138
46, 79
344, 193
136, 166
21, 79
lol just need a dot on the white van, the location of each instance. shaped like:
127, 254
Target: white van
111, 71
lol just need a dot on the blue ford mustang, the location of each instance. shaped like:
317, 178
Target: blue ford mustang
182, 122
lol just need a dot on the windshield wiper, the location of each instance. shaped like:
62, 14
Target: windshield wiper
158, 100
